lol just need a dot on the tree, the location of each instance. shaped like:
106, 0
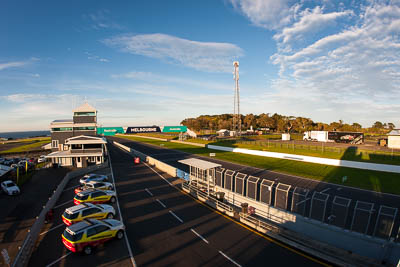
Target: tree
391, 126
377, 125
356, 126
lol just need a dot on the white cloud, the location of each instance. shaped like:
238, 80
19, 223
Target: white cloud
173, 80
350, 71
204, 56
310, 22
91, 56
100, 20
269, 14
13, 64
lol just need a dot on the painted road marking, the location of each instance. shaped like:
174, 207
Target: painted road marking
51, 229
148, 191
72, 187
120, 215
205, 240
162, 204
234, 262
54, 262
63, 203
326, 189
158, 174
173, 214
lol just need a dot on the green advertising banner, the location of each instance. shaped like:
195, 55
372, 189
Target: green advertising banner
107, 131
174, 129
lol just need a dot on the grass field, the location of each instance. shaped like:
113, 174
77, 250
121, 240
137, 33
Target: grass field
372, 180
27, 147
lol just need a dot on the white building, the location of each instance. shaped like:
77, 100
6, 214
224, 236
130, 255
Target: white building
394, 139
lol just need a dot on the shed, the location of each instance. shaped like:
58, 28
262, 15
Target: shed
394, 139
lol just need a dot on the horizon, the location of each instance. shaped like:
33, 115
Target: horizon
145, 63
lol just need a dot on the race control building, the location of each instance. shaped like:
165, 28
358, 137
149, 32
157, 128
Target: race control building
75, 142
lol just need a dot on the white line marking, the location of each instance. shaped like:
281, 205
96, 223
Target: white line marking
173, 214
326, 189
72, 187
51, 229
63, 204
234, 262
148, 191
54, 262
199, 235
162, 204
158, 174
120, 214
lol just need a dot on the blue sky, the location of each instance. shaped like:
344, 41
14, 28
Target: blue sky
159, 62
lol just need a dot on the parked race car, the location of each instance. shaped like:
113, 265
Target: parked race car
89, 233
10, 188
95, 196
95, 185
93, 177
80, 212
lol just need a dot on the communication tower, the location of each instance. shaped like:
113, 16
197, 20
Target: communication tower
236, 125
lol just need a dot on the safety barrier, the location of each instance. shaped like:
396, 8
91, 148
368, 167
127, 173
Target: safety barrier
26, 249
325, 161
172, 171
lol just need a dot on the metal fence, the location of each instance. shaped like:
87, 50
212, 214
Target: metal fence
362, 217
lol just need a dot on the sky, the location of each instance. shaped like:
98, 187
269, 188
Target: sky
158, 62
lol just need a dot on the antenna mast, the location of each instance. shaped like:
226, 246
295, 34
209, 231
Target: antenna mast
236, 125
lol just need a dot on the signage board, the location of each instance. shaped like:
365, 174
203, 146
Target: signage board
144, 129
108, 131
174, 129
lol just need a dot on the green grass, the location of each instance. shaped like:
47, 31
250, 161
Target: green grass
25, 148
372, 180
317, 150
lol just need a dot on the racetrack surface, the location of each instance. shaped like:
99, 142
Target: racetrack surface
172, 157
168, 228
165, 227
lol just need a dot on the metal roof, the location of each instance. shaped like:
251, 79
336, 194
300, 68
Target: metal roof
201, 164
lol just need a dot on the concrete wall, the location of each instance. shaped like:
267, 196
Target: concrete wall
152, 161
325, 161
394, 141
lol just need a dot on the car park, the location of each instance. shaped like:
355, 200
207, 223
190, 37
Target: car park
89, 233
80, 212
95, 185
8, 162
42, 158
93, 177
10, 188
2, 160
95, 196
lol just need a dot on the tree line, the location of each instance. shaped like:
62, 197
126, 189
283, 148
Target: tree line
280, 123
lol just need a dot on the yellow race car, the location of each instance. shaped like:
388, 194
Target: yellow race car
89, 233
95, 196
77, 213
